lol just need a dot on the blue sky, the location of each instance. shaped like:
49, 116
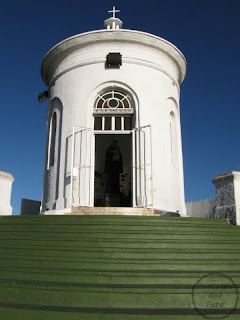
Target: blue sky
207, 32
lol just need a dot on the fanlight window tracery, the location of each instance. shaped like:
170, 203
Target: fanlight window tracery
113, 111
113, 102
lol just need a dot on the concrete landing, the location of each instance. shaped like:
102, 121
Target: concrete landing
122, 211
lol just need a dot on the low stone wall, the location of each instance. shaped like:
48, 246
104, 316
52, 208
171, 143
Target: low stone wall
201, 209
227, 195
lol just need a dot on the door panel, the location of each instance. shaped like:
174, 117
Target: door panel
142, 163
82, 167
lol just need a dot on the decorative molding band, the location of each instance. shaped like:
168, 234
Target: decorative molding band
102, 60
118, 36
113, 111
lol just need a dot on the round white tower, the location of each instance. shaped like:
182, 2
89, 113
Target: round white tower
113, 127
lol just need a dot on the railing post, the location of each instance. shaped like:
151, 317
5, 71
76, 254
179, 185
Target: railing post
134, 179
72, 164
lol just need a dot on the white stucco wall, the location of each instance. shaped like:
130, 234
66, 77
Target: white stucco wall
6, 180
151, 73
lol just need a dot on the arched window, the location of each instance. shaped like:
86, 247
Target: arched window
113, 111
173, 137
52, 140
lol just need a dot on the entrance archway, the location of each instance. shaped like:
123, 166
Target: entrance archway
113, 123
91, 181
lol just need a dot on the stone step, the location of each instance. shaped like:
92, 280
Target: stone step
138, 265
46, 296
31, 313
113, 211
106, 274
114, 267
107, 219
85, 278
117, 231
122, 243
8, 253
159, 228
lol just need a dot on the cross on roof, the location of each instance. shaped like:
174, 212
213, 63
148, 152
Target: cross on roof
113, 11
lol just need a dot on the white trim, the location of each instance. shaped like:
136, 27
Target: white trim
122, 123
112, 131
113, 123
103, 123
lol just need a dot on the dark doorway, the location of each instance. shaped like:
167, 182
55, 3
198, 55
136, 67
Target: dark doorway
113, 170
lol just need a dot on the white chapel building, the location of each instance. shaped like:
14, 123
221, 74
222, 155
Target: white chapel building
113, 125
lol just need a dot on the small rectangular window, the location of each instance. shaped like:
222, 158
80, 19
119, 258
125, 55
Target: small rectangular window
127, 123
117, 123
108, 121
98, 123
